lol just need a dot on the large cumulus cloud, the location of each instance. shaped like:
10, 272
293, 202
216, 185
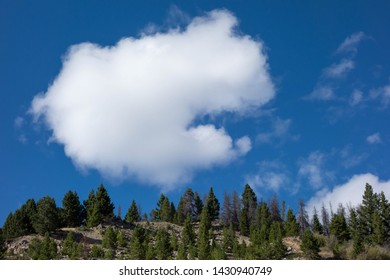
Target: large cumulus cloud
131, 110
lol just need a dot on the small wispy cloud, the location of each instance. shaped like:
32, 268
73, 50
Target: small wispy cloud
355, 98
382, 93
280, 131
272, 176
374, 138
339, 70
312, 169
350, 44
322, 93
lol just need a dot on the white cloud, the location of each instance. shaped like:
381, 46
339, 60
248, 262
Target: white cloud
356, 98
340, 69
374, 138
272, 176
312, 169
349, 193
323, 93
382, 93
349, 45
130, 110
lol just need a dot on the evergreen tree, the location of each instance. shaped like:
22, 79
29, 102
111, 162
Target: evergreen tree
198, 203
89, 204
356, 233
378, 235
204, 249
188, 234
121, 239
212, 205
384, 207
72, 213
244, 223
310, 245
316, 225
179, 217
21, 222
132, 214
150, 252
181, 252
46, 218
249, 203
137, 250
174, 241
291, 224
103, 201
278, 249
303, 217
96, 252
366, 211
109, 239
263, 217
338, 225
45, 249
70, 247
163, 245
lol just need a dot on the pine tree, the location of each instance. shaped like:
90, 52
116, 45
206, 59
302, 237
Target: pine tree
188, 233
204, 249
384, 207
122, 242
198, 203
316, 225
244, 223
366, 211
181, 252
137, 249
212, 205
109, 239
356, 233
103, 201
89, 204
43, 250
132, 214
163, 245
338, 225
378, 235
150, 252
46, 218
278, 249
310, 245
291, 224
70, 247
72, 210
21, 222
263, 217
249, 203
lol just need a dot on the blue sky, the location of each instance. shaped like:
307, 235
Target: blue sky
162, 95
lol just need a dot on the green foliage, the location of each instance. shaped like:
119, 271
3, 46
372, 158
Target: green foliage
181, 252
291, 225
109, 239
248, 212
174, 241
263, 217
46, 219
150, 252
137, 248
132, 214
163, 245
212, 205
97, 252
204, 249
21, 222
188, 234
366, 211
72, 210
303, 217
316, 225
217, 253
121, 239
71, 248
338, 225
310, 245
98, 207
45, 249
274, 211
198, 207
277, 248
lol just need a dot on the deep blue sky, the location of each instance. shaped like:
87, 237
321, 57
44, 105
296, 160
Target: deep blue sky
303, 140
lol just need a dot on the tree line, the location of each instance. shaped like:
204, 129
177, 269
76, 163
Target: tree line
251, 228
